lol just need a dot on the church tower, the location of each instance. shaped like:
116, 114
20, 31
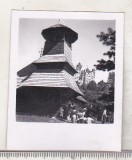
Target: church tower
51, 84
58, 48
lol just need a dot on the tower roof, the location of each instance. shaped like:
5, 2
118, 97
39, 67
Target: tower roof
55, 58
60, 30
58, 80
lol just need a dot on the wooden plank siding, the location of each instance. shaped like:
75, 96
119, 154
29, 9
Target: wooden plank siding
60, 80
55, 58
41, 101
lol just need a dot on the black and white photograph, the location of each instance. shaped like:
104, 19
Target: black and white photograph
66, 72
72, 78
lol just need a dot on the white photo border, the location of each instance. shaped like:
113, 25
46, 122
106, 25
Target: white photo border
57, 136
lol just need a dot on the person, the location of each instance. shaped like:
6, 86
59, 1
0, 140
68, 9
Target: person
87, 113
65, 111
72, 105
61, 112
104, 116
80, 116
68, 118
68, 115
90, 120
73, 115
84, 112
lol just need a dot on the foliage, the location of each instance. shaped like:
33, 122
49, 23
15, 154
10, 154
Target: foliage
107, 39
92, 86
111, 79
79, 66
81, 75
100, 95
108, 99
91, 96
101, 86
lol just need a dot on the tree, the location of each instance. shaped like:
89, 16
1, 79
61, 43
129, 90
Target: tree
79, 66
107, 39
111, 79
101, 86
108, 98
92, 86
91, 96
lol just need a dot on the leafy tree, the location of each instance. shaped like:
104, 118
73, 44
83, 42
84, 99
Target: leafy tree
92, 86
107, 39
101, 86
108, 99
91, 96
83, 87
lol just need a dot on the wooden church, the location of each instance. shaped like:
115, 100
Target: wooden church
48, 83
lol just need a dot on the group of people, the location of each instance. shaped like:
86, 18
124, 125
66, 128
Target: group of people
72, 115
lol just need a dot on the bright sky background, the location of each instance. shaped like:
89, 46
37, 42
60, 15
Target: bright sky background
86, 50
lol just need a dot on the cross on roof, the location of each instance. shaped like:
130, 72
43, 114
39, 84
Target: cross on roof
61, 21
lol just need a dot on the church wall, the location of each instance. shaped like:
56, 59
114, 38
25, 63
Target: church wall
67, 51
55, 68
41, 100
48, 66
37, 100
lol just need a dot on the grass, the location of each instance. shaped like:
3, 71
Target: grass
35, 118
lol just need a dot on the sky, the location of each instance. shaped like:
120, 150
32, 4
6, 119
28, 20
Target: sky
86, 50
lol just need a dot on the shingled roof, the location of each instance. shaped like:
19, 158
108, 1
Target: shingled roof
59, 29
19, 80
59, 80
55, 58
